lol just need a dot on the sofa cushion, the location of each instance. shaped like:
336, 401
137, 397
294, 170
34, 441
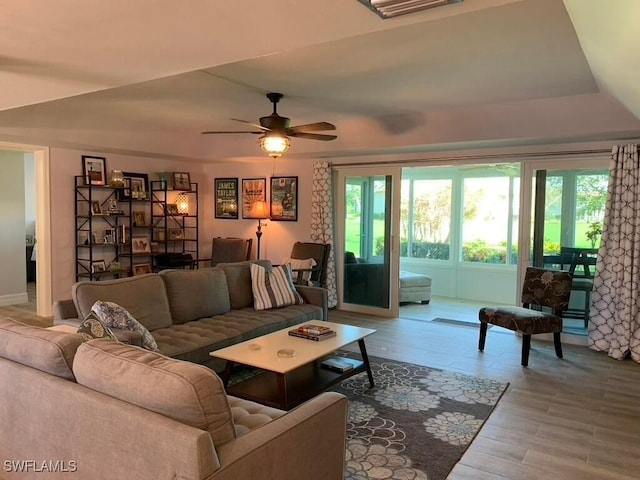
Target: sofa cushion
195, 294
49, 351
193, 341
273, 289
188, 393
144, 296
91, 327
239, 281
248, 415
113, 315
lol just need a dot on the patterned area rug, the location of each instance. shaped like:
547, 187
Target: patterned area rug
416, 423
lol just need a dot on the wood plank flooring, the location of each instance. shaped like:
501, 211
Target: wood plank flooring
575, 418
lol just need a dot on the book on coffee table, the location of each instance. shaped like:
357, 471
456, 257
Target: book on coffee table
305, 332
338, 364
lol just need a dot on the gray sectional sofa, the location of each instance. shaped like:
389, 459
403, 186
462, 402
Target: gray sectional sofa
104, 410
192, 312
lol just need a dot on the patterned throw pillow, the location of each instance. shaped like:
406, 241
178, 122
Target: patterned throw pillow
91, 327
273, 289
113, 315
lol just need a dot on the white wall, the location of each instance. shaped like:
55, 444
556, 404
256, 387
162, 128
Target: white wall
12, 241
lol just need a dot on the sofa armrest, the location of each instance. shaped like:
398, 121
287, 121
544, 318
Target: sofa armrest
308, 442
315, 296
64, 311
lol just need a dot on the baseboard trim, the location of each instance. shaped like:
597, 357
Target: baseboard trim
14, 299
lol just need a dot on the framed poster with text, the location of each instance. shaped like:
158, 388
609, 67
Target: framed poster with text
253, 190
284, 199
226, 197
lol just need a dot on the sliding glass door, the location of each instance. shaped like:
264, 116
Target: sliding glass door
368, 267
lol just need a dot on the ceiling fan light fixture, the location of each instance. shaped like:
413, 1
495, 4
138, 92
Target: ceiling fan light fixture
274, 145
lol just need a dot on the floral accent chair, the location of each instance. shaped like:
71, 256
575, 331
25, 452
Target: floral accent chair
541, 288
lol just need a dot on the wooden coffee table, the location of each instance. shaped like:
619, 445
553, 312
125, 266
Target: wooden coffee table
289, 381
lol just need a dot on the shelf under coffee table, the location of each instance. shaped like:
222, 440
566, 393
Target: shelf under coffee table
286, 382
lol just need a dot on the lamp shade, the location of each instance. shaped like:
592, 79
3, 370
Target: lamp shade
182, 202
274, 144
259, 210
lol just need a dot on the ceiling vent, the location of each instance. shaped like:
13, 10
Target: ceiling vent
394, 8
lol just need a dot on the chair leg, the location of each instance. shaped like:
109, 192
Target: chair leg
483, 336
526, 345
557, 344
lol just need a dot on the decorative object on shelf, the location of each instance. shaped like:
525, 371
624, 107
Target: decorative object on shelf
108, 236
171, 209
182, 202
94, 170
115, 266
113, 208
136, 186
139, 218
141, 268
166, 179
117, 179
140, 244
226, 197
181, 181
176, 234
98, 266
259, 210
253, 190
284, 199
96, 209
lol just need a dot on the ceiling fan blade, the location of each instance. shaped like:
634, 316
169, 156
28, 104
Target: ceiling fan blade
252, 124
312, 136
312, 127
235, 131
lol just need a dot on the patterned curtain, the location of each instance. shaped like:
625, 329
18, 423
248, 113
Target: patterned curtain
322, 220
615, 308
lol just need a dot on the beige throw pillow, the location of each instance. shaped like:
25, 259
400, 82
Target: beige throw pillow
301, 264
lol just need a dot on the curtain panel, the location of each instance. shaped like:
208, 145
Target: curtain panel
322, 220
614, 326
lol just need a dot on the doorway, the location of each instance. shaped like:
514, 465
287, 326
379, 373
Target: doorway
368, 266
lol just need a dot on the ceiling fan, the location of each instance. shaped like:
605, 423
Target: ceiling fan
275, 130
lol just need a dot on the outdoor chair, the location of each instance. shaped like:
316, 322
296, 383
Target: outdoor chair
542, 289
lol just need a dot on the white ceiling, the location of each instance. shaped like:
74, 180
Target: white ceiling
146, 77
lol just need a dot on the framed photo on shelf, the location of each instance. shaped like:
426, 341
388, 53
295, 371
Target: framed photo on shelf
171, 209
96, 209
136, 186
98, 266
226, 197
181, 181
284, 199
140, 244
139, 218
141, 268
94, 170
176, 234
253, 190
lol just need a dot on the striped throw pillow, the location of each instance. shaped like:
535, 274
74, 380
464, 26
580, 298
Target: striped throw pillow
273, 289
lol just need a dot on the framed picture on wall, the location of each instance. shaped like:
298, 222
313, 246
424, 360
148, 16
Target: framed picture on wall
253, 190
284, 199
226, 197
94, 170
